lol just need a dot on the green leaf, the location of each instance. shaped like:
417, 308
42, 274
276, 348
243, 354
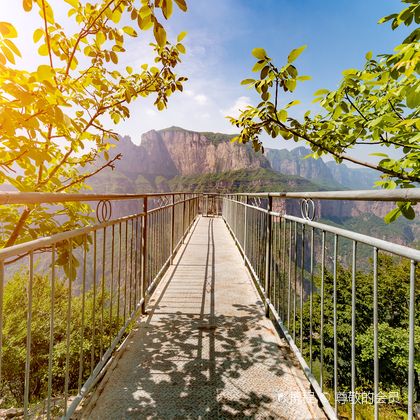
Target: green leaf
129, 31
320, 92
350, 72
282, 115
368, 55
379, 154
258, 66
393, 215
408, 211
302, 78
290, 84
293, 103
259, 53
247, 81
294, 54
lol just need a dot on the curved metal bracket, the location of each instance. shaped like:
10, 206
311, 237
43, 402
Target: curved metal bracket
162, 201
103, 211
307, 209
255, 201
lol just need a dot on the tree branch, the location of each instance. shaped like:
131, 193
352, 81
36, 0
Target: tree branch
341, 156
109, 164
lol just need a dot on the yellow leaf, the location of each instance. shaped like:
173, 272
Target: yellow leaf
114, 57
8, 30
182, 5
116, 15
27, 5
167, 8
160, 34
8, 54
43, 49
181, 36
144, 23
44, 72
49, 15
130, 31
13, 47
38, 34
74, 3
180, 48
100, 38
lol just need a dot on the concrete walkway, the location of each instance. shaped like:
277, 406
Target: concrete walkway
205, 350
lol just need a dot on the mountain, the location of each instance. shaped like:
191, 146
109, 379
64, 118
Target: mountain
353, 178
177, 152
175, 159
328, 174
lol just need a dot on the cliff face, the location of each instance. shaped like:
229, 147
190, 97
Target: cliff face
328, 174
193, 153
175, 159
293, 162
174, 151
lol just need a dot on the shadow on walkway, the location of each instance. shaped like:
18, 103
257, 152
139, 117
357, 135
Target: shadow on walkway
205, 350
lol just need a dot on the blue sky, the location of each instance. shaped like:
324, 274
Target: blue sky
221, 35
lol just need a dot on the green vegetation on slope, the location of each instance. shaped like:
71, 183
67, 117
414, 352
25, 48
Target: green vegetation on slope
243, 180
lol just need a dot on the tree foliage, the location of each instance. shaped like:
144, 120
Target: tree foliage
53, 119
376, 105
393, 331
15, 330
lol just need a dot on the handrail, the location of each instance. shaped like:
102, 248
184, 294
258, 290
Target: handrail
14, 197
296, 262
108, 271
406, 194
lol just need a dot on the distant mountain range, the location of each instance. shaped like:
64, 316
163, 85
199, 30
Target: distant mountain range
179, 158
175, 159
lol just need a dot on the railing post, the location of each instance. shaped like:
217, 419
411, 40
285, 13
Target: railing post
268, 256
183, 218
245, 227
144, 257
172, 228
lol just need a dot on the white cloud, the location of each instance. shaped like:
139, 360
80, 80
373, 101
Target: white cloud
240, 104
151, 112
200, 99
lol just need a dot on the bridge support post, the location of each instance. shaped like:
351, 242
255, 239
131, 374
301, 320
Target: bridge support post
268, 256
144, 257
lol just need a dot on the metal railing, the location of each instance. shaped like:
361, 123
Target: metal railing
313, 276
77, 295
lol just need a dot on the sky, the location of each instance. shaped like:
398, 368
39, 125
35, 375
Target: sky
221, 36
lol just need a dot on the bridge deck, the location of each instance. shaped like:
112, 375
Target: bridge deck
205, 349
